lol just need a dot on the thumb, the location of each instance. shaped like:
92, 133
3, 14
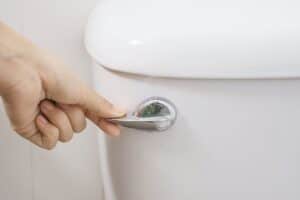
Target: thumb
92, 102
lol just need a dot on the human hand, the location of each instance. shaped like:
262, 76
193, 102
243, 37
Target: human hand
45, 101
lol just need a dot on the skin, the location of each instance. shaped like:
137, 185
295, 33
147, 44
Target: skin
44, 101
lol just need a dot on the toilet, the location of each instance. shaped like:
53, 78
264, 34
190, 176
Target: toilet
231, 69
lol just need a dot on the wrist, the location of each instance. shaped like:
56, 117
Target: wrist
14, 52
8, 74
12, 44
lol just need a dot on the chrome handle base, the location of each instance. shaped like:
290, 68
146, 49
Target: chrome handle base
153, 114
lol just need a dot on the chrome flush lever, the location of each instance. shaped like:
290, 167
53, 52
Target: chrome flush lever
153, 114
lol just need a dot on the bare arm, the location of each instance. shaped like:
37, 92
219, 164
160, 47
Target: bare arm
44, 100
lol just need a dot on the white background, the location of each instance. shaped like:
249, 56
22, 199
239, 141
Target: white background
71, 171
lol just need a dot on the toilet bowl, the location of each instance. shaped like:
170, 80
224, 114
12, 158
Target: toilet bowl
231, 69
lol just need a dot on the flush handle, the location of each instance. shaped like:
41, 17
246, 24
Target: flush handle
153, 114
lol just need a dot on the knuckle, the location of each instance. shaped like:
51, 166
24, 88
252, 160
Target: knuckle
49, 147
66, 137
77, 119
51, 140
50, 143
26, 131
80, 126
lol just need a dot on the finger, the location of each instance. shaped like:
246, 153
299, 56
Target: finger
76, 117
47, 136
107, 127
110, 128
94, 103
59, 119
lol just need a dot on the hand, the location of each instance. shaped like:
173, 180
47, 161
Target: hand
44, 101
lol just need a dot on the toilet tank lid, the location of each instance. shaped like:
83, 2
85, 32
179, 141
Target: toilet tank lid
197, 39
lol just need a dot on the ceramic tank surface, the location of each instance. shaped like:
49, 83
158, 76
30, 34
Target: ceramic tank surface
197, 38
234, 137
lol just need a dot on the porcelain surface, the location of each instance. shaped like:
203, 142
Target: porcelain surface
233, 140
197, 39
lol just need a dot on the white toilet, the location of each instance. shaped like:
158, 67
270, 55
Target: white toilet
231, 68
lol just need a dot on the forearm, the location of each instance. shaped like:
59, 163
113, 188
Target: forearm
12, 44
13, 49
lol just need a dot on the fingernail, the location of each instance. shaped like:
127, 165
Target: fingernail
119, 112
47, 106
42, 119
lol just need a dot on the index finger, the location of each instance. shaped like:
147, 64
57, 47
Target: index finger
98, 105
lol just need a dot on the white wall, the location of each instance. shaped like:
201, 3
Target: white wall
71, 171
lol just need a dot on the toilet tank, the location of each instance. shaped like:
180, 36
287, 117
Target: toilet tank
232, 70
